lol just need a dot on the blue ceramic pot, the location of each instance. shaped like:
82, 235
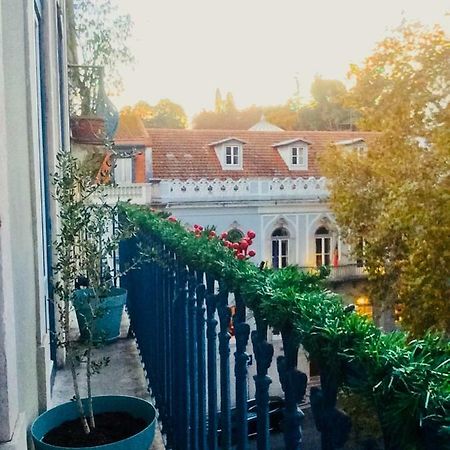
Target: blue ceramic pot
111, 403
106, 326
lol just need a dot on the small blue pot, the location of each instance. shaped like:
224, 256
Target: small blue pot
106, 326
110, 403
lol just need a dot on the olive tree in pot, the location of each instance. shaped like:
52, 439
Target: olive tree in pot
88, 233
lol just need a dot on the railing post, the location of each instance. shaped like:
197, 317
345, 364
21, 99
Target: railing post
263, 351
333, 424
193, 368
182, 360
212, 362
224, 351
293, 383
242, 332
201, 361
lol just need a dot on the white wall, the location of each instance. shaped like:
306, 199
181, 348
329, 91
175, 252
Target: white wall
25, 364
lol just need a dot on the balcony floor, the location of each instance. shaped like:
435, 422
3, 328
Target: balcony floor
123, 376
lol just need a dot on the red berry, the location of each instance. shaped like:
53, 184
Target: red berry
212, 234
224, 235
200, 227
172, 219
195, 226
251, 253
240, 256
236, 246
251, 234
250, 242
243, 244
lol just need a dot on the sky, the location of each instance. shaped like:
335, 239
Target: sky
256, 49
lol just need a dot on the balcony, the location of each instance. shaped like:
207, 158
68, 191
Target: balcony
93, 117
214, 331
341, 273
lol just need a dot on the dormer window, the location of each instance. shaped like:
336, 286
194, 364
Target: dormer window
294, 153
229, 152
357, 145
232, 155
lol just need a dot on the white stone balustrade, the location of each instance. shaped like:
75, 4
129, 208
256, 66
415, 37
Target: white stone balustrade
204, 190
137, 193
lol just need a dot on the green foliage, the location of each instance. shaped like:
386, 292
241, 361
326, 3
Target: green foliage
396, 197
406, 381
326, 111
89, 232
165, 114
102, 37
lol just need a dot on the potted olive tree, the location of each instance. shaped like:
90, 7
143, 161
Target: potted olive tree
89, 233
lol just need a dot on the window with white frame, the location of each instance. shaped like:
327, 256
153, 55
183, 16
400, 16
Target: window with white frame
123, 171
280, 248
323, 247
232, 155
298, 156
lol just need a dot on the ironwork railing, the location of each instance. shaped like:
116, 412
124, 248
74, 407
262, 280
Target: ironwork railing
181, 321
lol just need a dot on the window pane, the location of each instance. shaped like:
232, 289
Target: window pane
275, 254
284, 261
235, 160
326, 259
301, 156
327, 244
294, 160
284, 247
318, 245
318, 260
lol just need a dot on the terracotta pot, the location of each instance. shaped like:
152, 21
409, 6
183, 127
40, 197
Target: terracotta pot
88, 129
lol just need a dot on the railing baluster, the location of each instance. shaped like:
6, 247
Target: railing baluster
224, 352
333, 424
242, 333
201, 362
293, 383
193, 368
263, 354
212, 362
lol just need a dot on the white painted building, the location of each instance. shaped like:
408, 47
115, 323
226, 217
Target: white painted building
264, 179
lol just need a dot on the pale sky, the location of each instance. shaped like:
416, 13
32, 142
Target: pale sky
185, 49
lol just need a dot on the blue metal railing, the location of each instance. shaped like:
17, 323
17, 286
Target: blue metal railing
181, 321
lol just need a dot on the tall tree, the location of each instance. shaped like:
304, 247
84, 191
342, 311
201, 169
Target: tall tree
102, 37
326, 111
397, 196
167, 114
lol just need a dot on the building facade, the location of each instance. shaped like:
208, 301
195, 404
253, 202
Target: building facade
33, 127
263, 179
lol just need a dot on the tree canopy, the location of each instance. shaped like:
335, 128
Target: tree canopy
325, 112
165, 114
396, 197
102, 37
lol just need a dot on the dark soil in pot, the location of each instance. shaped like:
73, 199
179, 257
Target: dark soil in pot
110, 427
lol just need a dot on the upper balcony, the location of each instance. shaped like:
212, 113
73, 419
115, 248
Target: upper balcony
93, 117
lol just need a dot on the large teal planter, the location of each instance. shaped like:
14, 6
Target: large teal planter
111, 403
106, 326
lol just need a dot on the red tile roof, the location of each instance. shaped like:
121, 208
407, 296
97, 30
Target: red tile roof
187, 154
131, 131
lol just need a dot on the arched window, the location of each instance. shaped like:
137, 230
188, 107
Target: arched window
280, 248
235, 235
323, 247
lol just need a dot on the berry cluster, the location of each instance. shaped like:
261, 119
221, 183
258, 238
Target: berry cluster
241, 249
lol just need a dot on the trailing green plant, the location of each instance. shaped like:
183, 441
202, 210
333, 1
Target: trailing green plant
405, 380
89, 233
